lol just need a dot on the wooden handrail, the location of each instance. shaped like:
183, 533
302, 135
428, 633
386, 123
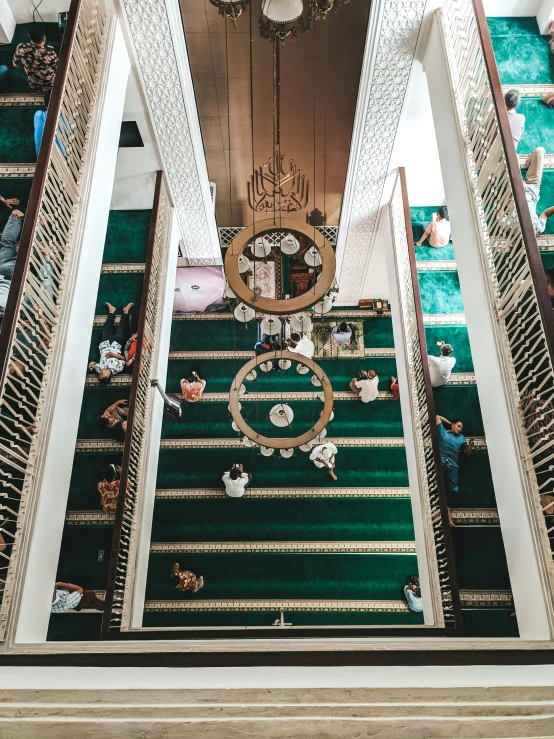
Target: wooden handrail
456, 604
116, 539
25, 249
529, 239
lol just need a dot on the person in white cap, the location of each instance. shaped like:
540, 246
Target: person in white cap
324, 456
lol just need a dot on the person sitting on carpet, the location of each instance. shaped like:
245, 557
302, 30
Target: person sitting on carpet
412, 593
109, 488
516, 120
438, 230
440, 368
267, 344
451, 443
365, 385
341, 334
394, 388
114, 419
192, 387
301, 345
236, 480
68, 597
37, 60
532, 188
324, 456
185, 580
112, 361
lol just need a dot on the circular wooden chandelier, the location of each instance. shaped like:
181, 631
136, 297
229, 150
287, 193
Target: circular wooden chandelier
288, 443
273, 306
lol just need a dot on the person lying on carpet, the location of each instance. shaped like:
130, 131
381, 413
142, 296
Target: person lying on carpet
109, 487
114, 419
412, 593
8, 252
532, 188
516, 120
301, 345
438, 230
192, 387
112, 361
69, 597
185, 580
236, 480
452, 443
440, 368
324, 456
365, 385
341, 334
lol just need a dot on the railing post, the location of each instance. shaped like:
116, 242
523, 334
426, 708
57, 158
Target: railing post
140, 409
430, 487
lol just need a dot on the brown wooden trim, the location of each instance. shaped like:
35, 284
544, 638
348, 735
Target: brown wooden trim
116, 539
373, 655
456, 604
8, 327
514, 171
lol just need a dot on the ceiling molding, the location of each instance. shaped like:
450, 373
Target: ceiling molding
390, 46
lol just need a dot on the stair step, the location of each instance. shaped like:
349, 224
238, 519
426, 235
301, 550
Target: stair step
21, 99
17, 170
436, 265
455, 319
275, 605
475, 516
332, 315
195, 493
123, 268
533, 91
284, 547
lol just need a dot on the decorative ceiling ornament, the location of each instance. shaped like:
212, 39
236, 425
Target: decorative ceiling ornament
318, 428
282, 19
231, 8
272, 188
273, 306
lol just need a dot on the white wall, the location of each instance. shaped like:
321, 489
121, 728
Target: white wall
48, 10
135, 174
44, 551
511, 7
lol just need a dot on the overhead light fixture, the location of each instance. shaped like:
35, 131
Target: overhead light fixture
270, 325
281, 19
289, 245
301, 323
231, 9
260, 248
324, 306
244, 313
281, 415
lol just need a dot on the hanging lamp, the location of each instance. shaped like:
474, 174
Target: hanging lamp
281, 415
260, 248
300, 322
289, 245
231, 9
244, 313
270, 325
324, 306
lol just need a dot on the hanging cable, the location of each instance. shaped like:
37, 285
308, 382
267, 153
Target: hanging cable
228, 119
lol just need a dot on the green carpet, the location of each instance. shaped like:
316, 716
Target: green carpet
17, 79
127, 236
79, 555
547, 259
455, 335
86, 473
160, 619
16, 187
119, 290
95, 401
81, 627
17, 142
460, 401
522, 54
539, 128
476, 486
355, 419
490, 622
219, 374
356, 467
284, 519
440, 292
480, 559
336, 576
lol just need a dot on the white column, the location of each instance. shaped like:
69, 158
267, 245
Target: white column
7, 23
522, 553
67, 388
390, 46
545, 15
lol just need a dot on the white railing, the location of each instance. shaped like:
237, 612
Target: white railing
30, 328
436, 533
510, 256
119, 591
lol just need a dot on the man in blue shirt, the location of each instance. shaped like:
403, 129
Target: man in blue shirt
451, 443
